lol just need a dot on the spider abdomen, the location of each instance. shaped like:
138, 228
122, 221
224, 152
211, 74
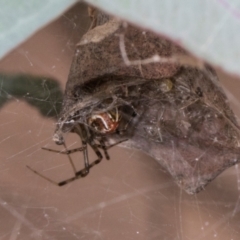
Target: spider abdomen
104, 122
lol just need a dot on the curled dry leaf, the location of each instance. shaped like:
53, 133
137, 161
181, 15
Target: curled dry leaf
128, 83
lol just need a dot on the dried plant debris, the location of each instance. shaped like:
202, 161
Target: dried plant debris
119, 90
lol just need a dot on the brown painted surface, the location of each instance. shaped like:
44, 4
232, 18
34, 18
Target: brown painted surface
128, 197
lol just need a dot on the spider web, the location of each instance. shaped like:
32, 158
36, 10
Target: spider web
127, 197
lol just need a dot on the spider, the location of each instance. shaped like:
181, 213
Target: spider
101, 123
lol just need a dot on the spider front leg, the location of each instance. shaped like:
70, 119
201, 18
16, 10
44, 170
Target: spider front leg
84, 172
70, 151
77, 174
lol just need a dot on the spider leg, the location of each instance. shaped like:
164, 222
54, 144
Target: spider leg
114, 144
79, 174
83, 172
104, 148
85, 156
70, 151
66, 151
94, 146
70, 159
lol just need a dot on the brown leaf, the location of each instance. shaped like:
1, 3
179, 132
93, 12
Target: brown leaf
177, 114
